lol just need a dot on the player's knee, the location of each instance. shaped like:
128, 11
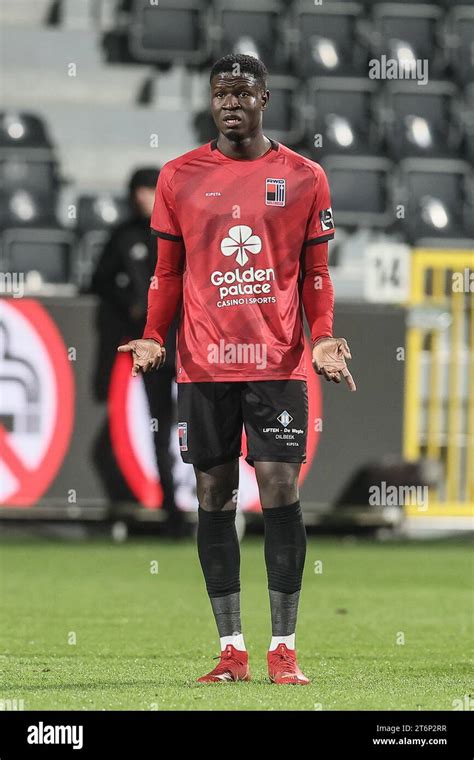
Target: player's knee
214, 497
217, 488
277, 483
278, 493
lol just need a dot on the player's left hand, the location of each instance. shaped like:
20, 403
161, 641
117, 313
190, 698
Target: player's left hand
146, 353
329, 359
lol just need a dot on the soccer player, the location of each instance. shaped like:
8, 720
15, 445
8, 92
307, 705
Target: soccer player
243, 225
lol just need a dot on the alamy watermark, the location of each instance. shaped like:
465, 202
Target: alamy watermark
466, 703
383, 495
237, 353
403, 68
463, 282
47, 734
12, 704
12, 284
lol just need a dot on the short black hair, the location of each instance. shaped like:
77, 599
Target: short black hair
239, 63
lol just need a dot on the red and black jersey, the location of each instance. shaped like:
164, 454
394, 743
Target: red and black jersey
246, 226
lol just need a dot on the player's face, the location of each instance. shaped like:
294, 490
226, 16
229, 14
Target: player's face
237, 104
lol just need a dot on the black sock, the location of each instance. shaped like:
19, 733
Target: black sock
285, 553
226, 611
219, 554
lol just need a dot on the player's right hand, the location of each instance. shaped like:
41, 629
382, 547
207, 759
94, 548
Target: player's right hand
329, 360
146, 354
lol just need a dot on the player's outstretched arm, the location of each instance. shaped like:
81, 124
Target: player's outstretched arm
329, 354
166, 289
164, 296
146, 353
329, 360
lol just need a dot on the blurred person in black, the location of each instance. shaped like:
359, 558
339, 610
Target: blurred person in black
121, 280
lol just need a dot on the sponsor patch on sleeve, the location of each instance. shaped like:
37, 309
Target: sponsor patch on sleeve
326, 218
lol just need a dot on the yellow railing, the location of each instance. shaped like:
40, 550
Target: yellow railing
439, 424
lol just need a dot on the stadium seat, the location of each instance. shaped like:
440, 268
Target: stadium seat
24, 130
42, 255
204, 128
173, 30
252, 27
436, 197
460, 36
283, 119
370, 3
359, 190
32, 169
326, 39
468, 124
341, 116
97, 215
100, 212
78, 14
448, 4
25, 13
407, 34
420, 121
24, 208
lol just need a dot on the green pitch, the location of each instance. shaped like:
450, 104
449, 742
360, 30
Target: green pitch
93, 626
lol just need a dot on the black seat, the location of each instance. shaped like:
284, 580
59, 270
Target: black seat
251, 27
434, 195
419, 121
326, 39
33, 169
26, 208
448, 4
341, 116
359, 190
100, 212
370, 3
96, 216
407, 34
169, 31
460, 43
42, 255
22, 129
468, 124
283, 119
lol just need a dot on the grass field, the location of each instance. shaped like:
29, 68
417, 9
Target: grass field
142, 638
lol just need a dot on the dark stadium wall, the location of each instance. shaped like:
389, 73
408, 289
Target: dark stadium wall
367, 425
357, 428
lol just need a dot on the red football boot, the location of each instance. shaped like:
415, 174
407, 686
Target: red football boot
233, 665
283, 668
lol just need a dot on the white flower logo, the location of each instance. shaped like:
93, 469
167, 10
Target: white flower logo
241, 241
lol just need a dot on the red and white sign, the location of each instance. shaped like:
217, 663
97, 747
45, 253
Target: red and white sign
36, 401
132, 442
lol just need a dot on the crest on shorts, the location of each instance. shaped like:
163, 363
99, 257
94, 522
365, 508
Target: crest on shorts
285, 418
183, 436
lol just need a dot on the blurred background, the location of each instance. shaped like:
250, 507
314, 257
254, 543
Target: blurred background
96, 96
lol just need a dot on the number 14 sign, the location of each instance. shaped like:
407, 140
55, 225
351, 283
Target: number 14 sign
387, 272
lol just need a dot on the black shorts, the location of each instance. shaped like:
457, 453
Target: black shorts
273, 412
